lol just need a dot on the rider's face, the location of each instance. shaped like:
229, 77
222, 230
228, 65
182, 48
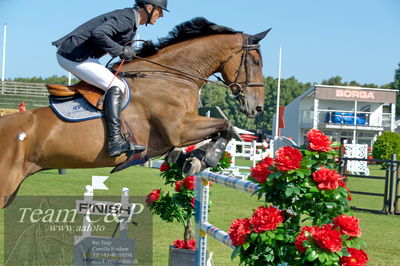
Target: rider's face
158, 13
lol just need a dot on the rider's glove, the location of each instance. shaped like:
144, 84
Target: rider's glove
127, 53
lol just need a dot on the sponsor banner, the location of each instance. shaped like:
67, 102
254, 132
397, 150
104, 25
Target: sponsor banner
363, 95
353, 127
43, 230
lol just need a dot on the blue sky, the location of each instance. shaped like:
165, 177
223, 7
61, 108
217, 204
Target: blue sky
355, 39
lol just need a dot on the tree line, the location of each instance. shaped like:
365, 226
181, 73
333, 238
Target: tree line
213, 95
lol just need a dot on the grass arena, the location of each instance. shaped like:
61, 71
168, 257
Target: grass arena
380, 231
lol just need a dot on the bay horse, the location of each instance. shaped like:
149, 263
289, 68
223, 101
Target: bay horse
163, 108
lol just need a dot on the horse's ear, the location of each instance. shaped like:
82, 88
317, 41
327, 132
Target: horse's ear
258, 37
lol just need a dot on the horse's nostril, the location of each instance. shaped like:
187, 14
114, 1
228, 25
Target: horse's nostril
259, 109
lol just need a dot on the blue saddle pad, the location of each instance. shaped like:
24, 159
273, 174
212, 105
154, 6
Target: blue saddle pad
78, 109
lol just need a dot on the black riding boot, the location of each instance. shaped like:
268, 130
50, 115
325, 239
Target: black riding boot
116, 143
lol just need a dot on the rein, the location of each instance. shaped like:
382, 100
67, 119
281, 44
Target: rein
137, 73
236, 87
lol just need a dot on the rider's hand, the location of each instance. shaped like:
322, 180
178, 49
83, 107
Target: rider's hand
127, 53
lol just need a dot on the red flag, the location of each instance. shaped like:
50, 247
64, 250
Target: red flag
281, 117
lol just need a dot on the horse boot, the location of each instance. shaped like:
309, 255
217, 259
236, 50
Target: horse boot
116, 144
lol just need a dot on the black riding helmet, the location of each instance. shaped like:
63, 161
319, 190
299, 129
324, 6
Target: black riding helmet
161, 3
154, 3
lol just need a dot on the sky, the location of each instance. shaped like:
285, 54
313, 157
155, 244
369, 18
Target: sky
355, 39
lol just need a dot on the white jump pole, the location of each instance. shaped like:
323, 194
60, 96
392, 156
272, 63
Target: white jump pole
203, 227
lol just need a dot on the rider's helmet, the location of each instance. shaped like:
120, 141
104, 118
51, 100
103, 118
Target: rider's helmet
160, 3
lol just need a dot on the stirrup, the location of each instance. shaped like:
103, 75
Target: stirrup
124, 147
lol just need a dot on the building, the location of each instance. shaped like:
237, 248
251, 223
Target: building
352, 114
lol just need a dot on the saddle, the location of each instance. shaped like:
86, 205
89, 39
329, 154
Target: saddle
94, 96
91, 93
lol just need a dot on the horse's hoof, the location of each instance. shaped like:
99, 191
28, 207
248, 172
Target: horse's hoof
191, 167
173, 155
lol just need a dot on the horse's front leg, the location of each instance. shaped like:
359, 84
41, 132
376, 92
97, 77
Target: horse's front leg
196, 129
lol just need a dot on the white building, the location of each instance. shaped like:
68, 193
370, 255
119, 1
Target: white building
352, 114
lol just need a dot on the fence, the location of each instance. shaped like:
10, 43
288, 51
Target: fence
33, 94
391, 191
203, 227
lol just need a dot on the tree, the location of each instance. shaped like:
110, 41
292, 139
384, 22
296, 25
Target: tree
396, 86
337, 81
50, 80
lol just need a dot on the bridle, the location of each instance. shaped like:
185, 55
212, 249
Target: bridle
236, 87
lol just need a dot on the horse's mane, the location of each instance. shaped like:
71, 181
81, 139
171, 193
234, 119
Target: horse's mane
191, 29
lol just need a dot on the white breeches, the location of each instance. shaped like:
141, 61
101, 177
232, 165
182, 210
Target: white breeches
92, 72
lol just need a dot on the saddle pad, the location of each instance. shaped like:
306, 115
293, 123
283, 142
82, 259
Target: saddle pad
78, 109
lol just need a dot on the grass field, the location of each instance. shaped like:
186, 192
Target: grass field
382, 232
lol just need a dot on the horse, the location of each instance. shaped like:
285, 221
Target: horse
164, 80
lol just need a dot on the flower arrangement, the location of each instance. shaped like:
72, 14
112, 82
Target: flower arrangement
305, 218
179, 205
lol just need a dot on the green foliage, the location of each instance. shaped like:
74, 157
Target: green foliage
337, 80
50, 80
387, 144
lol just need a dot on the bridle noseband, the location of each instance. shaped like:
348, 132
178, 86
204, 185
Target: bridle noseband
237, 87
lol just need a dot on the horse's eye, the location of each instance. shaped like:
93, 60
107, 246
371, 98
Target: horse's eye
256, 61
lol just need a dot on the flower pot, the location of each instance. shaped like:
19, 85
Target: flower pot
181, 257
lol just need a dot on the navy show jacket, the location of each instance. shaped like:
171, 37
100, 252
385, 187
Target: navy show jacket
107, 33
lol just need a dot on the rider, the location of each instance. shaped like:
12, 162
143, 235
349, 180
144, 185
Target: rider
79, 51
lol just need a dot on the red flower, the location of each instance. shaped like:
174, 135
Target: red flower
179, 243
326, 178
153, 196
192, 202
343, 185
261, 172
265, 219
358, 258
238, 231
302, 237
190, 148
227, 155
328, 238
347, 225
191, 244
188, 182
164, 167
178, 186
325, 237
318, 141
288, 158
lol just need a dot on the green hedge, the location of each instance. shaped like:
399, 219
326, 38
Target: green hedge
387, 144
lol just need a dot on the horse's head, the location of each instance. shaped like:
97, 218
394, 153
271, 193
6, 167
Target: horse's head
242, 71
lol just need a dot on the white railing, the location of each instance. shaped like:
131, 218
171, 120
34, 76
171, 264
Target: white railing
12, 93
248, 150
23, 88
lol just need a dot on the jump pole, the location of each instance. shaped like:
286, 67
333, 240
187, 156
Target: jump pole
203, 227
